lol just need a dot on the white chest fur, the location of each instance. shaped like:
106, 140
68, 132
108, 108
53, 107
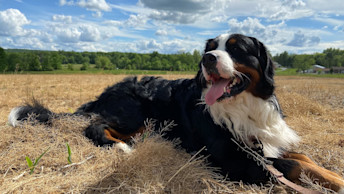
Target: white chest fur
247, 117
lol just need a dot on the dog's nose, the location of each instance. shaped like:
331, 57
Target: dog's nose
209, 60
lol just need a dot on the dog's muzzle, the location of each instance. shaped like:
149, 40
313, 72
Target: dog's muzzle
209, 62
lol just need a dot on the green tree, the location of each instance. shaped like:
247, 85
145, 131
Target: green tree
123, 62
3, 60
56, 60
34, 63
70, 67
78, 58
178, 66
284, 59
103, 62
303, 62
330, 56
13, 62
85, 63
320, 59
46, 62
85, 66
136, 61
85, 59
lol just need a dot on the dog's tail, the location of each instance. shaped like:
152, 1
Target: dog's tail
34, 110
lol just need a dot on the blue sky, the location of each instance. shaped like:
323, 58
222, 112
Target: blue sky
169, 26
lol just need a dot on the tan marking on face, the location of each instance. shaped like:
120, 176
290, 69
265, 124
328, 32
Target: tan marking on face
255, 77
212, 45
232, 41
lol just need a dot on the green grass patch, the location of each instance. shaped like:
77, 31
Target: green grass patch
92, 70
32, 165
114, 72
293, 72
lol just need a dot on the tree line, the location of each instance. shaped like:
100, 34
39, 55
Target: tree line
12, 60
329, 58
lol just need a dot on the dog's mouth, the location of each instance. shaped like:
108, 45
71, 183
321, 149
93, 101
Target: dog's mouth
222, 88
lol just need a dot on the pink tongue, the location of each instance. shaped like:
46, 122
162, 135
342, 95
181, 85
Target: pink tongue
216, 91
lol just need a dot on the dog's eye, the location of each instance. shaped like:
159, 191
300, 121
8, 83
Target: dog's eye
211, 45
232, 46
233, 49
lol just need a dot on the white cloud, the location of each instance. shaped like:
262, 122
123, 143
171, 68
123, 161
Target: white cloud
174, 17
97, 6
330, 21
337, 24
113, 23
302, 40
203, 12
136, 21
68, 34
185, 6
160, 25
97, 14
279, 37
178, 11
289, 9
248, 26
94, 5
12, 22
161, 33
328, 7
89, 33
148, 45
62, 18
62, 2
253, 27
79, 32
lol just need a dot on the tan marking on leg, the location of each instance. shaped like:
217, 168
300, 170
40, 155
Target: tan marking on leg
325, 177
298, 156
303, 157
110, 137
125, 137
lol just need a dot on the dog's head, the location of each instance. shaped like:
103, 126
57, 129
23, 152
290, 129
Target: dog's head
235, 63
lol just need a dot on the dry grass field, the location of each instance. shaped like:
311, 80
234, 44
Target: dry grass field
314, 108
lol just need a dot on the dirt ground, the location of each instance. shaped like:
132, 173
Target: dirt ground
314, 107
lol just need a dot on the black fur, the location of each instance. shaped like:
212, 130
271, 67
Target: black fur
125, 105
37, 112
252, 53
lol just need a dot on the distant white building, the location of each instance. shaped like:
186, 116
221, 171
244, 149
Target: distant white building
318, 69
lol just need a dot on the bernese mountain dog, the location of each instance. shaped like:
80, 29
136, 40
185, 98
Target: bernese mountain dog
229, 108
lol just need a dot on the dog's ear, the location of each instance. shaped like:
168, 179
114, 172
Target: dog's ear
266, 85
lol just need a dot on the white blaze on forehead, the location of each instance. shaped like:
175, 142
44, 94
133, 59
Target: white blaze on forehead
221, 40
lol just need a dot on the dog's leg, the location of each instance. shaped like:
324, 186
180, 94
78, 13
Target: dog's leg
115, 136
303, 157
293, 166
298, 156
119, 143
102, 134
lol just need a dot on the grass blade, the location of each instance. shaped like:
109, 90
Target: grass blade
29, 162
39, 158
69, 158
